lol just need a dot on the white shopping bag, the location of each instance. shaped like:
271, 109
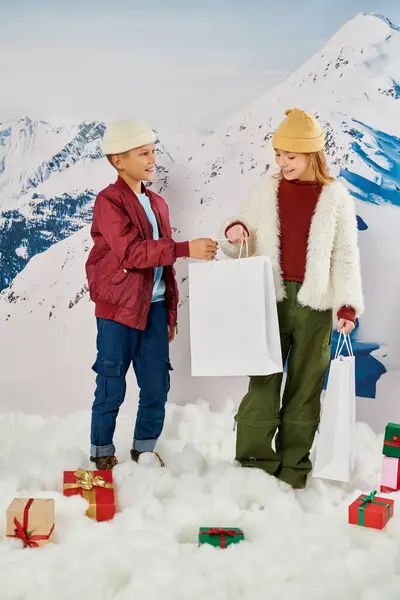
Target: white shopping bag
335, 453
233, 318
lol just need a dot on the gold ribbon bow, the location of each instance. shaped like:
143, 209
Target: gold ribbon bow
87, 481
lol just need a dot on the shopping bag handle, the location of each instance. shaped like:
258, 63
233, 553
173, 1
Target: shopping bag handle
341, 343
243, 242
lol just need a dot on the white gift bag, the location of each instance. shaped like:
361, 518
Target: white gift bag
335, 453
234, 327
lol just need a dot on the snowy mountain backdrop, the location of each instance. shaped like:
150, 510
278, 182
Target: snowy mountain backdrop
49, 177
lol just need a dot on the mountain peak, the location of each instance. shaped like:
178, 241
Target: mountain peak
25, 119
384, 19
365, 30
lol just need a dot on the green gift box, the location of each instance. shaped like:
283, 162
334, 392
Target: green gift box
391, 443
221, 537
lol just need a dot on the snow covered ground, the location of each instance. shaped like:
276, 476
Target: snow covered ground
298, 543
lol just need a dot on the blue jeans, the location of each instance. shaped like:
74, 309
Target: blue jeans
117, 347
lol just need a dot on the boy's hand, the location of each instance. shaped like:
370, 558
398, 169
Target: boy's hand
171, 333
203, 249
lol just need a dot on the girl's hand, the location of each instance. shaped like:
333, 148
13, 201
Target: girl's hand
345, 326
236, 234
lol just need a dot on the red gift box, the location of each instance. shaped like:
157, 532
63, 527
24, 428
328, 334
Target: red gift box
96, 487
371, 511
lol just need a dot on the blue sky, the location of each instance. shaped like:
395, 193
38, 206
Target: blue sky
188, 63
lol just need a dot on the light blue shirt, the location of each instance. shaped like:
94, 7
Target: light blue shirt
159, 283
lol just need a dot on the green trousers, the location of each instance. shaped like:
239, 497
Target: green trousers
306, 339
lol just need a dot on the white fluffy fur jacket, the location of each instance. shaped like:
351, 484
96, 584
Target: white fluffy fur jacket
333, 277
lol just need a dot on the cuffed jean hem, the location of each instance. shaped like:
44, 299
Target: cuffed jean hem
100, 451
144, 445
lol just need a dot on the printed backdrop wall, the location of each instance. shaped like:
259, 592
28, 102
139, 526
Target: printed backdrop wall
50, 174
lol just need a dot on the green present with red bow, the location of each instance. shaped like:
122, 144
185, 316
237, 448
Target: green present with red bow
220, 537
391, 443
369, 510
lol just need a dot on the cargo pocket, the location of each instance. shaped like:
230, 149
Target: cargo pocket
168, 375
107, 368
324, 360
325, 356
110, 382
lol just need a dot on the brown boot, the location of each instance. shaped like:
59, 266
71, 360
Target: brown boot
104, 463
135, 454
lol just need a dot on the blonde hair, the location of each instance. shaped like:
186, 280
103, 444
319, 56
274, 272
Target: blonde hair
320, 166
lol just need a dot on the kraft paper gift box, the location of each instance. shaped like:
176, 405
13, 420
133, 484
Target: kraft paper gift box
31, 520
96, 487
390, 475
371, 511
391, 443
221, 537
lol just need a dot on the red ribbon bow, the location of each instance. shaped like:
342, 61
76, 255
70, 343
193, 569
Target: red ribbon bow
395, 442
22, 533
223, 533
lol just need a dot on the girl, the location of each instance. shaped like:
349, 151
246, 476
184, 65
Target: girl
305, 221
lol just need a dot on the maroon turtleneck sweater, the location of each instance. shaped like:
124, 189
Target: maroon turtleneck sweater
297, 201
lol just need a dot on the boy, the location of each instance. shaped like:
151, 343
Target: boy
132, 282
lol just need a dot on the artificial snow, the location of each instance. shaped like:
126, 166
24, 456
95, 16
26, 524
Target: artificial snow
298, 543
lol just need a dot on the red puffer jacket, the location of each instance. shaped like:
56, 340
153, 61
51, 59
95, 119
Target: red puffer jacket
120, 266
